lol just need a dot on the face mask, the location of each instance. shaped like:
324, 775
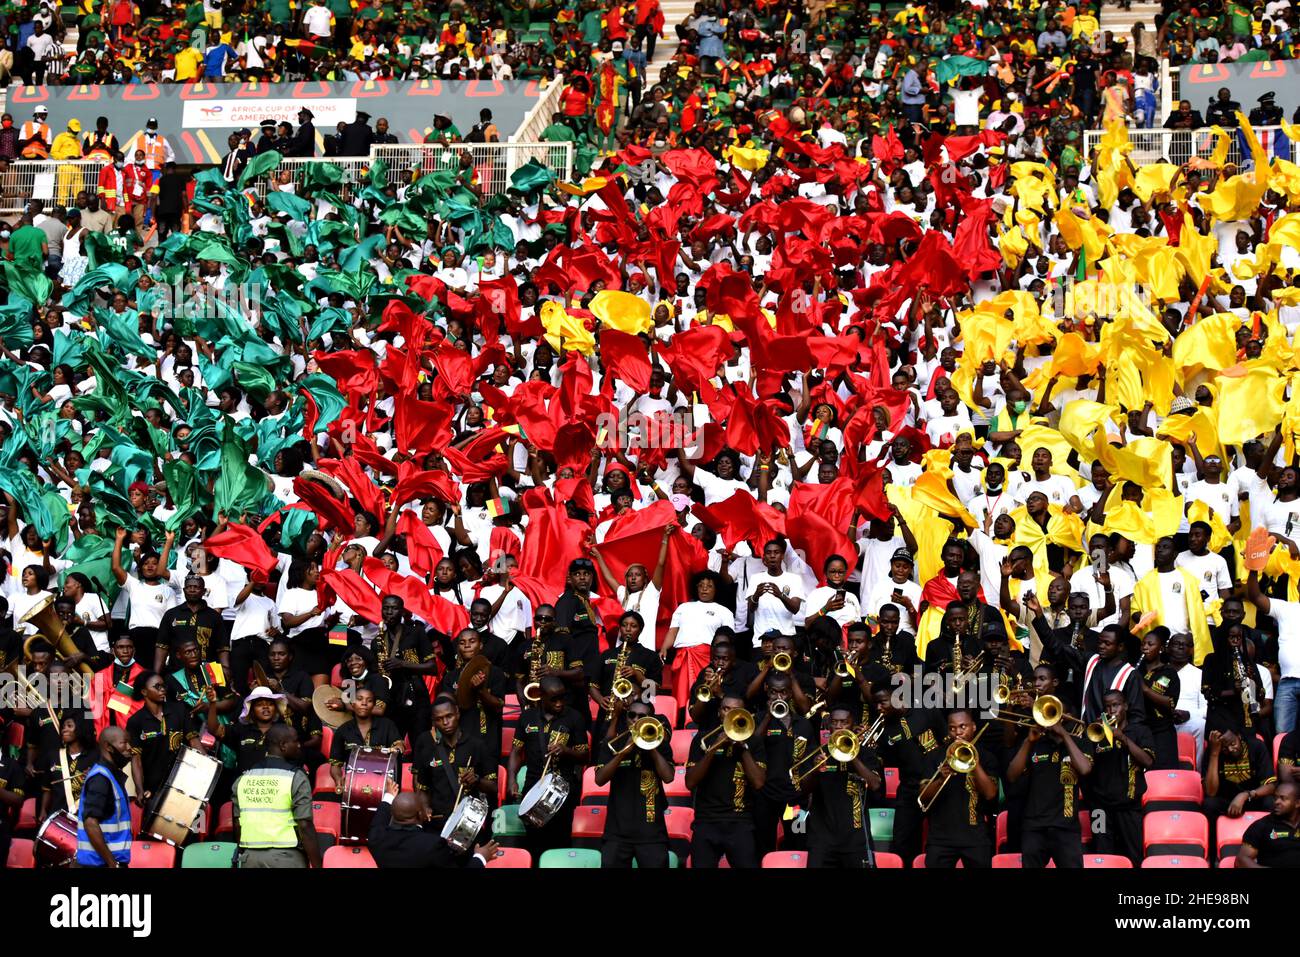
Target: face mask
1017, 407
119, 166
8, 123
121, 760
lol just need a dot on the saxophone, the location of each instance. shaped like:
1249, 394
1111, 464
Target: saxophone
1076, 638
533, 689
887, 657
621, 688
1245, 685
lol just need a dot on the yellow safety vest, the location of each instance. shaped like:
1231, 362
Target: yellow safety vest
265, 798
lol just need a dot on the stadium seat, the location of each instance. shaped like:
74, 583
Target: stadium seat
510, 858
210, 855
506, 825
507, 740
15, 732
1228, 832
891, 783
1175, 861
323, 787
1006, 860
780, 860
27, 823
918, 862
886, 860
676, 790
339, 857
326, 815
666, 705
1000, 841
680, 822
1104, 861
1085, 827
1175, 832
501, 784
1172, 791
152, 855
681, 742
882, 825
1277, 747
20, 853
137, 818
326, 739
408, 778
593, 793
588, 824
1228, 862
1187, 750
570, 857
673, 862
336, 676
225, 822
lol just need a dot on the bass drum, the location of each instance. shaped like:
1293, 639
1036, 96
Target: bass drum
56, 841
368, 769
180, 809
543, 800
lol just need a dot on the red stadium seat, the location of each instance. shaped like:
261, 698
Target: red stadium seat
154, 855
1175, 861
326, 739
1228, 861
336, 676
507, 739
589, 822
918, 862
339, 857
20, 853
778, 860
1000, 841
594, 709
886, 860
1228, 832
408, 778
1277, 746
326, 815
1104, 861
27, 823
891, 783
225, 822
15, 733
1187, 750
511, 857
666, 705
501, 784
681, 742
680, 822
1006, 860
1175, 832
137, 818
676, 789
593, 793
323, 789
1172, 791
1085, 827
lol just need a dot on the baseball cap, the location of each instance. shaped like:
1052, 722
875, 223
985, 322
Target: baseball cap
680, 501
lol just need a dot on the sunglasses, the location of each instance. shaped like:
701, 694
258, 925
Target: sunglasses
544, 618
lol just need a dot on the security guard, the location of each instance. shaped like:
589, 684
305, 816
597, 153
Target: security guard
104, 811
272, 805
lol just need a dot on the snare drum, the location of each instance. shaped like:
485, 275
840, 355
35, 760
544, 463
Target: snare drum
465, 822
363, 790
543, 800
56, 841
184, 800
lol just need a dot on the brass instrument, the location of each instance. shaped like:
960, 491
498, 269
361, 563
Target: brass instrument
533, 689
887, 657
622, 688
962, 675
646, 732
844, 666
781, 661
49, 626
1099, 731
1047, 712
1244, 685
737, 726
710, 689
962, 757
842, 745
778, 708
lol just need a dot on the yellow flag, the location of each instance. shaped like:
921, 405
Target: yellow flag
622, 311
1250, 404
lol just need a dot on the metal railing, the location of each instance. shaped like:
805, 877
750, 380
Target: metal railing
59, 181
1178, 146
539, 116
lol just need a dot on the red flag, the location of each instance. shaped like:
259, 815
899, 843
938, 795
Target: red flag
635, 537
742, 518
422, 549
356, 592
624, 355
243, 546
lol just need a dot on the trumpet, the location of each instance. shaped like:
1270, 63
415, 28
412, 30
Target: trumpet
737, 726
778, 708
781, 661
844, 667
647, 733
710, 689
962, 757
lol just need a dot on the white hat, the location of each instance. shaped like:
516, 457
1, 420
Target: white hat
259, 693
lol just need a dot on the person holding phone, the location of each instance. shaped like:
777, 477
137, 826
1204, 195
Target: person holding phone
899, 589
833, 600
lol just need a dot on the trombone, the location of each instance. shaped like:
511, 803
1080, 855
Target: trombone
737, 726
842, 745
647, 732
962, 756
1047, 712
844, 669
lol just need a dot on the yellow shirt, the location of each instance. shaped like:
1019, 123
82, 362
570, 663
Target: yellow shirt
1085, 25
65, 146
188, 62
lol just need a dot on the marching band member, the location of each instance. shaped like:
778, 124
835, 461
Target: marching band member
725, 780
549, 736
365, 730
962, 813
1115, 787
448, 762
629, 660
786, 737
634, 828
404, 652
908, 736
837, 826
482, 718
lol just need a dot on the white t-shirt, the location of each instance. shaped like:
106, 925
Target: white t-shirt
1221, 497
697, 622
317, 20
149, 602
1287, 616
1174, 602
89, 608
646, 604
882, 593
297, 601
1210, 570
20, 604
254, 617
966, 106
1058, 489
818, 598
770, 613
514, 615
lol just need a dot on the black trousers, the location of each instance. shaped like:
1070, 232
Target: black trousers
768, 822
939, 856
558, 831
1118, 831
850, 853
243, 652
908, 821
1058, 843
714, 840
616, 852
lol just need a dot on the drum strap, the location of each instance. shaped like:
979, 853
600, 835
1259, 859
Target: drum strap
449, 766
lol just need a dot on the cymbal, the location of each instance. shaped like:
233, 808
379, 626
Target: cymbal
259, 676
321, 697
465, 687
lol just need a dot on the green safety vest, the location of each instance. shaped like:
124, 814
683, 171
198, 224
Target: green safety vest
265, 798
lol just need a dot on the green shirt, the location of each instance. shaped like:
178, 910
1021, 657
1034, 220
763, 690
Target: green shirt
25, 245
278, 11
341, 9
